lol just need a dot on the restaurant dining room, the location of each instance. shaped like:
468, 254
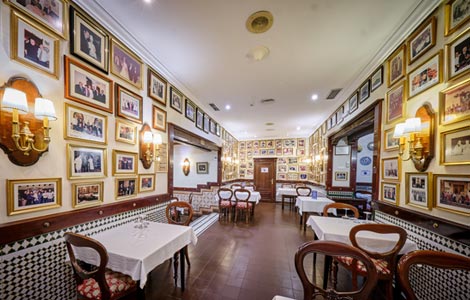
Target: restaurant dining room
308, 149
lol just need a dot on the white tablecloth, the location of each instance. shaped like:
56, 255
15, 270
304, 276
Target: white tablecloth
136, 252
254, 197
337, 229
286, 191
307, 204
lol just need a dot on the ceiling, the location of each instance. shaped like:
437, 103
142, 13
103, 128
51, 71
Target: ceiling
315, 46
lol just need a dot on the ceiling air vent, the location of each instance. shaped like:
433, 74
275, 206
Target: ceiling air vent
333, 93
267, 101
214, 107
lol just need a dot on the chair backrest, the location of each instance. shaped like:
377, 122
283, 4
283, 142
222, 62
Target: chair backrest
179, 213
174, 199
236, 186
311, 289
242, 195
98, 273
287, 185
224, 194
303, 191
436, 259
339, 205
190, 198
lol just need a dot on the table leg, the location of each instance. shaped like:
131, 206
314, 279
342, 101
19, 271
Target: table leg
282, 202
305, 221
182, 266
326, 271
175, 268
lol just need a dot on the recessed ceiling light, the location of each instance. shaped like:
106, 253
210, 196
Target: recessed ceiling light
148, 1
228, 107
258, 53
314, 97
298, 127
259, 22
269, 124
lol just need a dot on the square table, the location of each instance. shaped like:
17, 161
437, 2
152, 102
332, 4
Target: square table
307, 204
289, 193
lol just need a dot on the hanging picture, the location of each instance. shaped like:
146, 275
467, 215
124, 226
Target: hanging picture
457, 13
86, 194
377, 79
391, 192
159, 119
423, 39
425, 76
395, 108
190, 110
125, 64
86, 162
199, 118
364, 91
126, 132
176, 100
451, 192
125, 188
418, 190
146, 183
396, 66
129, 104
124, 163
391, 168
353, 104
458, 55
156, 86
453, 103
455, 146
85, 125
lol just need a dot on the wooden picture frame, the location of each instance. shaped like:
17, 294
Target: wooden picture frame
396, 102
125, 188
161, 165
202, 168
158, 118
176, 99
125, 162
80, 81
199, 118
448, 114
85, 125
128, 104
418, 190
377, 78
212, 126
84, 162
33, 45
457, 63
353, 105
425, 76
391, 192
455, 147
454, 21
450, 193
396, 66
391, 168
146, 183
421, 40
87, 194
126, 132
156, 86
125, 64
390, 143
364, 91
190, 110
31, 195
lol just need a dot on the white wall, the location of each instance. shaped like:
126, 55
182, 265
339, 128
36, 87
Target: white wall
364, 159
194, 155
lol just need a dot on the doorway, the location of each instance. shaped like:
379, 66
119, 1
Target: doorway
265, 178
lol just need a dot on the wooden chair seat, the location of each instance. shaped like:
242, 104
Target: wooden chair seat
226, 204
244, 205
380, 264
118, 284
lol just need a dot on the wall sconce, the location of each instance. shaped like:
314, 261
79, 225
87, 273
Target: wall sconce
28, 141
186, 167
149, 146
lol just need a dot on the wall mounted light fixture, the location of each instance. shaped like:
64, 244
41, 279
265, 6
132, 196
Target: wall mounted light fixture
186, 167
149, 146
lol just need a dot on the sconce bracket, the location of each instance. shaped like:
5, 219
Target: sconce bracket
143, 147
427, 115
35, 125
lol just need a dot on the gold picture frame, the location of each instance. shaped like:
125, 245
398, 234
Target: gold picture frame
126, 132
421, 40
146, 183
455, 147
396, 103
125, 163
390, 192
451, 22
125, 64
396, 66
87, 194
161, 165
79, 165
129, 104
156, 86
426, 75
454, 50
85, 125
30, 195
447, 113
450, 192
390, 143
125, 188
391, 168
418, 191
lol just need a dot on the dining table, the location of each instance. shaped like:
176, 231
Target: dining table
136, 249
307, 205
289, 193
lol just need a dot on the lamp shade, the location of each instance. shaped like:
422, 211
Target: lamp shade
412, 125
399, 130
44, 109
14, 99
148, 137
157, 139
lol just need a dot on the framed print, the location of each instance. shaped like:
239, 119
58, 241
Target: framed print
353, 104
85, 125
124, 163
28, 195
161, 165
456, 14
292, 176
391, 168
129, 104
396, 98
396, 66
126, 132
293, 168
33, 45
217, 129
88, 41
190, 110
156, 86
52, 14
422, 39
125, 64
458, 55
426, 75
176, 100
453, 103
339, 115
202, 168
377, 79
391, 192
333, 120
206, 122
86, 162
146, 183
125, 188
341, 150
364, 91
341, 176
212, 126
451, 193
159, 119
455, 147
88, 87
390, 143
281, 176
418, 190
288, 151
86, 194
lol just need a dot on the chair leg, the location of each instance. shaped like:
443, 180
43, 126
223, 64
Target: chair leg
186, 255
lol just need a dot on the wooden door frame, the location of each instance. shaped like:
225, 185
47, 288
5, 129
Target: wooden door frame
274, 160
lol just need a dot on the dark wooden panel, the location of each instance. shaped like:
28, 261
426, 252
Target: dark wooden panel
265, 182
196, 189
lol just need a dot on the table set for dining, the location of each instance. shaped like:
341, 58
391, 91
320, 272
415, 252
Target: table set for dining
307, 204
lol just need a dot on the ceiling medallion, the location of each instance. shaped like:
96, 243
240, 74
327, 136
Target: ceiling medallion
259, 21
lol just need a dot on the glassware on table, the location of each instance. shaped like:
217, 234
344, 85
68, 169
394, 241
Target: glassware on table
346, 213
368, 213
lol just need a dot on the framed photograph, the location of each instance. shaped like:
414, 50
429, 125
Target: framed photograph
341, 176
85, 125
390, 143
212, 126
146, 183
125, 64
292, 176
288, 151
52, 14
206, 122
458, 55
426, 75
453, 103
391, 192
422, 39
217, 129
341, 150
455, 147
202, 168
456, 13
129, 104
159, 119
33, 45
391, 168
161, 165
396, 98
125, 188
88, 41
281, 176
339, 115
124, 163
86, 162
364, 91
176, 100
353, 104
190, 110
418, 190
293, 168
377, 79
28, 195
452, 193
86, 194
396, 65
156, 86
88, 87
126, 132
199, 118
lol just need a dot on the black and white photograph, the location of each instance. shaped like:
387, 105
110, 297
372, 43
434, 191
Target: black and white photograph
124, 162
176, 100
458, 51
391, 168
156, 87
418, 190
202, 168
364, 91
125, 188
86, 162
391, 192
423, 39
457, 13
455, 146
190, 110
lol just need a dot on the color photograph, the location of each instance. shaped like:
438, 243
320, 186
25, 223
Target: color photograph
453, 193
396, 98
146, 183
425, 76
86, 194
85, 125
454, 103
86, 162
125, 188
423, 39
28, 195
126, 132
125, 64
129, 104
124, 163
455, 146
458, 55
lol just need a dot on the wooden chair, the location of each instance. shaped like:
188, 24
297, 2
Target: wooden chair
339, 205
301, 190
242, 204
226, 205
385, 263
250, 187
180, 213
334, 249
435, 259
99, 282
236, 186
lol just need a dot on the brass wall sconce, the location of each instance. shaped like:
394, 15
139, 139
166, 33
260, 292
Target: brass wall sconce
186, 167
28, 141
149, 146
